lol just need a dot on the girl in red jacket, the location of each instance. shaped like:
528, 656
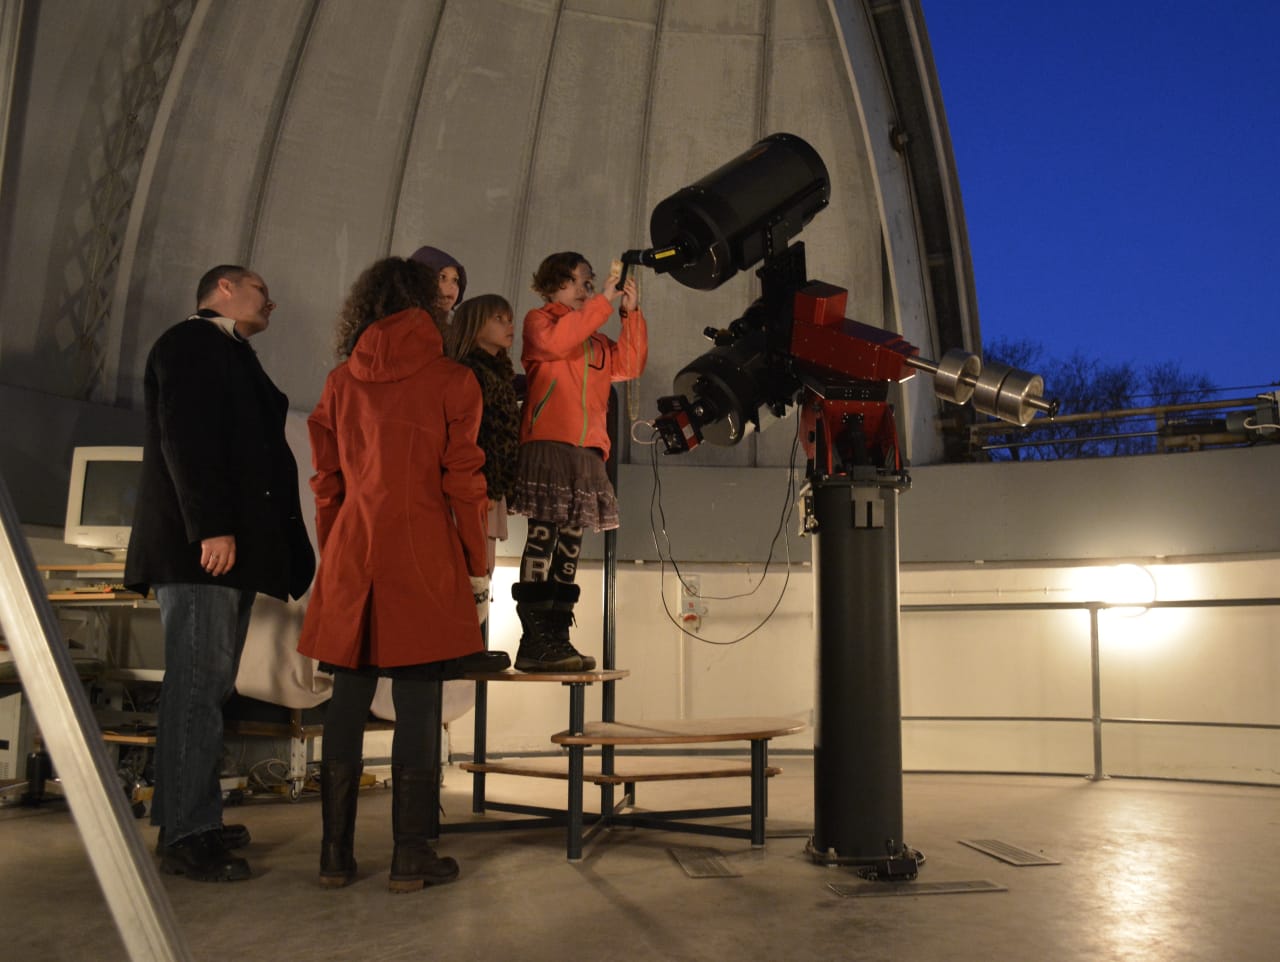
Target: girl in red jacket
561, 484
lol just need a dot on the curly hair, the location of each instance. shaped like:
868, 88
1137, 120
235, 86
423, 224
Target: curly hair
554, 270
468, 317
386, 287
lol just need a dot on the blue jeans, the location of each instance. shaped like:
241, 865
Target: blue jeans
204, 632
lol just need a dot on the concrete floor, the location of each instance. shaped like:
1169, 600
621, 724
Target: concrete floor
1150, 871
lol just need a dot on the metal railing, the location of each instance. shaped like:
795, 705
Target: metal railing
1096, 718
1189, 426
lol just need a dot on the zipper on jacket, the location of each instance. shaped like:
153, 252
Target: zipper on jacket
586, 368
543, 403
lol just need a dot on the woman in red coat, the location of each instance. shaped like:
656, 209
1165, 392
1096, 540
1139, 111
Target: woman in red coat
400, 517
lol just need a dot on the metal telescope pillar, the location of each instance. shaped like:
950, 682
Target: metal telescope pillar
858, 728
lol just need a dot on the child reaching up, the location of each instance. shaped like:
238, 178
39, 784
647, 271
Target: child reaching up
561, 484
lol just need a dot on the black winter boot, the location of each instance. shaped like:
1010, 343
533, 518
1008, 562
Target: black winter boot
541, 648
566, 596
415, 863
339, 786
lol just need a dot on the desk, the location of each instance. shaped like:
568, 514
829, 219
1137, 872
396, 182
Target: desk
98, 616
130, 598
102, 572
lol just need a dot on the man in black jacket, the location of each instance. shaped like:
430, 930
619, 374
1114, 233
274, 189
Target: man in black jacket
217, 520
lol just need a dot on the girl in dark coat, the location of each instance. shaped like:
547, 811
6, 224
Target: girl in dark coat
480, 337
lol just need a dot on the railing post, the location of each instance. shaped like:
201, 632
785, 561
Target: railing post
1095, 671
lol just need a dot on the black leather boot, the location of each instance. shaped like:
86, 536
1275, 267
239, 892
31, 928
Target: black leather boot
204, 858
339, 788
541, 648
233, 836
566, 596
415, 863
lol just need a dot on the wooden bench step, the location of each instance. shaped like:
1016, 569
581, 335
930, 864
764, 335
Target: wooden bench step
596, 676
128, 738
627, 768
683, 731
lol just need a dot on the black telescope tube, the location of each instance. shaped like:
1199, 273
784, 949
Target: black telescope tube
742, 212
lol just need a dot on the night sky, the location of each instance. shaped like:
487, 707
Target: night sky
1118, 164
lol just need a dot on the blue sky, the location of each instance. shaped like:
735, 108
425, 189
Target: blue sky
1120, 170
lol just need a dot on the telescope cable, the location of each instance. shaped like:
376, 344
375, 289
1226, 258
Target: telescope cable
655, 506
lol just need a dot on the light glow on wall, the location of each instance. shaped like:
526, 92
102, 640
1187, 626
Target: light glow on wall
1132, 587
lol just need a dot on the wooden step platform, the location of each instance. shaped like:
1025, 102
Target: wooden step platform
592, 677
627, 769
682, 731
609, 770
756, 730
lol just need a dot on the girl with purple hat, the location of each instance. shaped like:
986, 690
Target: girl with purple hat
451, 277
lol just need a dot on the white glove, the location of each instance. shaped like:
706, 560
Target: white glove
480, 593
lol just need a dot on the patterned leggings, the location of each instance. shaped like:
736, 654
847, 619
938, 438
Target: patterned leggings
551, 552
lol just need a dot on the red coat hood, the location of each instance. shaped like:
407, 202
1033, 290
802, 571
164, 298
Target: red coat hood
397, 346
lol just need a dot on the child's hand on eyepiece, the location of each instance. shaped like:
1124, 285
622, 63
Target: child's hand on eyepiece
630, 294
611, 289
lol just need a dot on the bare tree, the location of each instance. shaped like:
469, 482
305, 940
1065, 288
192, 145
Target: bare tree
1090, 385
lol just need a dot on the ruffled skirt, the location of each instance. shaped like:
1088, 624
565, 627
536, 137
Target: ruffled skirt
564, 484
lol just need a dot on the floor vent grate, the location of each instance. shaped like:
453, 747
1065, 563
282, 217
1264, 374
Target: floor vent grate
703, 863
1008, 853
915, 888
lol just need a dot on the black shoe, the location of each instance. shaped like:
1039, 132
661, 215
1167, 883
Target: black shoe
477, 661
203, 858
233, 836
542, 645
546, 653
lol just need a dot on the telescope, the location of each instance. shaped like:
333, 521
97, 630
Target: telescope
794, 340
794, 345
737, 215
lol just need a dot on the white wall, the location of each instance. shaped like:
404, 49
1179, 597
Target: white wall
1214, 665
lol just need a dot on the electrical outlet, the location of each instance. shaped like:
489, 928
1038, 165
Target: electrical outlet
691, 607
691, 595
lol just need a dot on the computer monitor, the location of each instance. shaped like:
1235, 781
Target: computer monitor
101, 497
